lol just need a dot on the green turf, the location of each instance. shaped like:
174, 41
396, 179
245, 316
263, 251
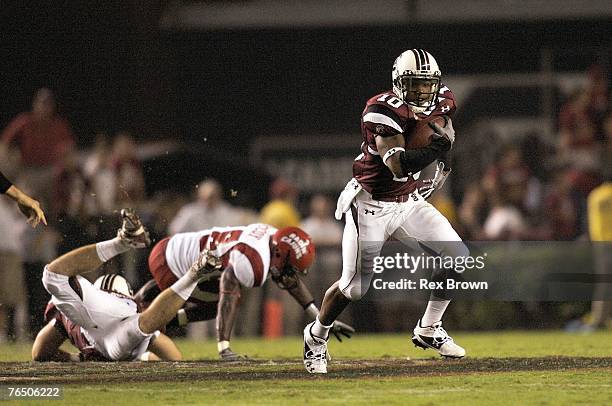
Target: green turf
518, 388
495, 344
545, 387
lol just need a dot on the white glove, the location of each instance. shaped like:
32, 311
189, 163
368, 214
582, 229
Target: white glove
447, 131
429, 186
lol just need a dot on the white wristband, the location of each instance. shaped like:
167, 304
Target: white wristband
182, 317
223, 345
390, 152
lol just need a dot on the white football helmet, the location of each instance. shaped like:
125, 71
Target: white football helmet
114, 283
416, 79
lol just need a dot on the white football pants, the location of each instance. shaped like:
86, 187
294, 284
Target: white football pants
369, 223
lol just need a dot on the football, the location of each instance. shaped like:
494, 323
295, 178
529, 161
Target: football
423, 133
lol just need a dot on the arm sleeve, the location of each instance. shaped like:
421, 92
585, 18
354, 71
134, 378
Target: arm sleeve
5, 184
382, 121
415, 160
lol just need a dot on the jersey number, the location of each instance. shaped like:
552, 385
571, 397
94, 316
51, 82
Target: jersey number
391, 101
216, 238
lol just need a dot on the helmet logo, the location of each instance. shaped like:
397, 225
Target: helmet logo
298, 245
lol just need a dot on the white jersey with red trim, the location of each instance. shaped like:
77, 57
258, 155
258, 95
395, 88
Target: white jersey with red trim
246, 249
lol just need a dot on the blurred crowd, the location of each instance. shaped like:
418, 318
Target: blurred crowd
532, 190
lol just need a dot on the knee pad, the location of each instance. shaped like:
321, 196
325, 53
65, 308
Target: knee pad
353, 291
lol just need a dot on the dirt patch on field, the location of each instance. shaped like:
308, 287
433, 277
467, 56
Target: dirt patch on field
103, 373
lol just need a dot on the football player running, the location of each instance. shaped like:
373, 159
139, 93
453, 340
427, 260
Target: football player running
102, 320
249, 256
386, 199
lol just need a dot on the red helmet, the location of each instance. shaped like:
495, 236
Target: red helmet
294, 251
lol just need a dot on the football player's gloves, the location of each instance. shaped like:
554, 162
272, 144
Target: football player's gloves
207, 266
132, 232
447, 131
426, 188
340, 329
429, 186
229, 355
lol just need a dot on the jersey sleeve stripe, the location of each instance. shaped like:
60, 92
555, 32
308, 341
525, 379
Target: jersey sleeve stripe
384, 110
378, 118
76, 286
417, 59
255, 260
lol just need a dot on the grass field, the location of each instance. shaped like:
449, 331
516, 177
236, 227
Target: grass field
502, 368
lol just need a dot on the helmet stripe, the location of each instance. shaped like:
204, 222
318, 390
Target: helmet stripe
424, 61
108, 285
426, 54
104, 282
417, 58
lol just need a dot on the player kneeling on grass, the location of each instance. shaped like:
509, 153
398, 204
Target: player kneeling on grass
250, 255
102, 320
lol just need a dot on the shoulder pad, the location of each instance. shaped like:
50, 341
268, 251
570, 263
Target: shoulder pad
386, 115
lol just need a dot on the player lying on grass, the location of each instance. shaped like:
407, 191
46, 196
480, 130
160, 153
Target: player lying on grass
102, 322
249, 256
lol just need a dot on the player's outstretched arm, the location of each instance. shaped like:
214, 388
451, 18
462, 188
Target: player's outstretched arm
191, 312
28, 206
302, 295
227, 311
167, 304
76, 262
46, 346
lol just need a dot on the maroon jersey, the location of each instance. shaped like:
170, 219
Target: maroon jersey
386, 115
73, 332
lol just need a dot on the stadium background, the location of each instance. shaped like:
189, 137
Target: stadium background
248, 104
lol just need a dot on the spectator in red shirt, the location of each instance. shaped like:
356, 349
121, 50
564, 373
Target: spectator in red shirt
41, 135
42, 138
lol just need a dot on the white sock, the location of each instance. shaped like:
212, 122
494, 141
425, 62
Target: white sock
184, 287
434, 312
111, 248
319, 329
